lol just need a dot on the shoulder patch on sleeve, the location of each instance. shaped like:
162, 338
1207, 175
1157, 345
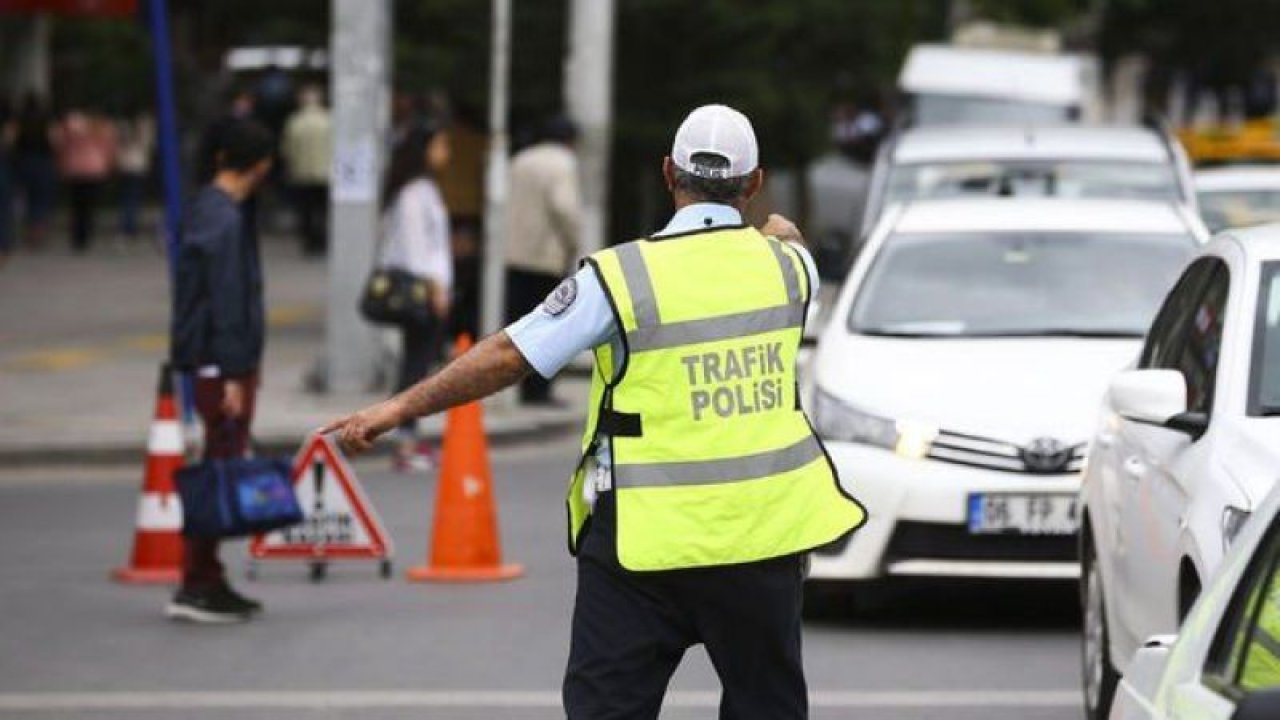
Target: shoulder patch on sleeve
561, 298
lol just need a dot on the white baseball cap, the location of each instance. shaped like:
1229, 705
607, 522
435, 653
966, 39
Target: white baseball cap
716, 130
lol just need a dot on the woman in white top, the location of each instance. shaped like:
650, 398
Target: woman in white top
415, 224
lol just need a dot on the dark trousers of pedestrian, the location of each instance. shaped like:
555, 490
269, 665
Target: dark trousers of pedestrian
525, 291
420, 350
83, 198
131, 190
312, 203
631, 629
224, 437
7, 229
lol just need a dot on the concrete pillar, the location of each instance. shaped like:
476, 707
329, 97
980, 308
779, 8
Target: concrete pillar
360, 56
588, 92
495, 196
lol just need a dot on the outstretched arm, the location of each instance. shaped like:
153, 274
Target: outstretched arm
490, 366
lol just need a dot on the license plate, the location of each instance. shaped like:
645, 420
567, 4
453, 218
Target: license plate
1023, 514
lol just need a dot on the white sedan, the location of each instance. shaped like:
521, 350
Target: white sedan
1225, 664
957, 380
1188, 444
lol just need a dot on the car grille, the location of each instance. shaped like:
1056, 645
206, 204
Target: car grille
1041, 457
936, 541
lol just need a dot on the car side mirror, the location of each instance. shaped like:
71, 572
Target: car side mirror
1258, 705
1150, 396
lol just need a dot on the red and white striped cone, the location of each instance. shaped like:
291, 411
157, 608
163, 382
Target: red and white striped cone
157, 542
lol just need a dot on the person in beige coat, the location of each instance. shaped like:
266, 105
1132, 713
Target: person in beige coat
544, 220
306, 148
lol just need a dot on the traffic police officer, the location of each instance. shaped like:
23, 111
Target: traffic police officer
701, 483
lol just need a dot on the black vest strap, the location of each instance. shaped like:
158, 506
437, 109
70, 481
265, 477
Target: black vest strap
619, 424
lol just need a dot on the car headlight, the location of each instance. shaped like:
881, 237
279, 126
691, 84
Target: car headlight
834, 420
1233, 519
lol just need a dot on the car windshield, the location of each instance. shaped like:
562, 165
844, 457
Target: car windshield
930, 109
1018, 284
1222, 209
1042, 178
1265, 391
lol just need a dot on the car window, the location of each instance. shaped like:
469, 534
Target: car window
1264, 383
1246, 652
1161, 348
1017, 284
1222, 209
1038, 178
1198, 359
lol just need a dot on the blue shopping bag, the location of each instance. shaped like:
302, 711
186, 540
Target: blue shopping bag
237, 497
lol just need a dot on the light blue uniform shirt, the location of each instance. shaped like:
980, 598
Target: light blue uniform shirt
549, 342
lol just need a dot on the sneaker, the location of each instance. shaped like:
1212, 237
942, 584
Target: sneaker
205, 606
417, 459
247, 604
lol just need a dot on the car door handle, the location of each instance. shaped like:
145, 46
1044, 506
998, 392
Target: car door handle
1134, 467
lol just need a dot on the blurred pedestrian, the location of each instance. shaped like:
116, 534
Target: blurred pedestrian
462, 185
544, 219
240, 107
137, 142
702, 485
218, 334
85, 144
416, 239
305, 150
34, 168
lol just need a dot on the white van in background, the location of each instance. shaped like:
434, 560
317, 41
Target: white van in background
951, 85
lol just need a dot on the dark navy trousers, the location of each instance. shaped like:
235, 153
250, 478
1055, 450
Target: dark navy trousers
631, 629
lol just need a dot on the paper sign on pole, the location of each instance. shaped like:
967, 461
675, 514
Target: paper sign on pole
339, 521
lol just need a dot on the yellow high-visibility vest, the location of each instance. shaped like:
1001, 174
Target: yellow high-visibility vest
714, 461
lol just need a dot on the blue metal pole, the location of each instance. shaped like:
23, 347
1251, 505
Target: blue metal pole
167, 126
170, 161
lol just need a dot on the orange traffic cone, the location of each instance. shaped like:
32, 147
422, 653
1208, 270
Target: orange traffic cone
157, 542
464, 540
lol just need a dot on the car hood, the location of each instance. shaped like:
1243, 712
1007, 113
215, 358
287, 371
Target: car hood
1251, 455
1010, 389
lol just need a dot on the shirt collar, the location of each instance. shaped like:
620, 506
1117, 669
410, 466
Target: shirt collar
701, 216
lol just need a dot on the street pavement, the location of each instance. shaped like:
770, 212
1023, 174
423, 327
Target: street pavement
82, 338
75, 645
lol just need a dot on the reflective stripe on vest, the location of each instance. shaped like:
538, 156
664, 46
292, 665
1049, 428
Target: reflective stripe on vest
710, 472
718, 464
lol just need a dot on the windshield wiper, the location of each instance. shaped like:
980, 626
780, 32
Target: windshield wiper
1269, 412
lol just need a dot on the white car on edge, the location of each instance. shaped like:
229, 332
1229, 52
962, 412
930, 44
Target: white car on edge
958, 379
1225, 664
1187, 446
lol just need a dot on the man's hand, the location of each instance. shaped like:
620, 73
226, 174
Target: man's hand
233, 398
783, 229
356, 433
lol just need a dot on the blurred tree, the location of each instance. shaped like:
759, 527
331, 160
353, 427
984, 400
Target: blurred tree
1032, 13
100, 63
1222, 47
785, 64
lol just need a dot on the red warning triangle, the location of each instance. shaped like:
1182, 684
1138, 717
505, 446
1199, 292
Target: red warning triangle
340, 522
